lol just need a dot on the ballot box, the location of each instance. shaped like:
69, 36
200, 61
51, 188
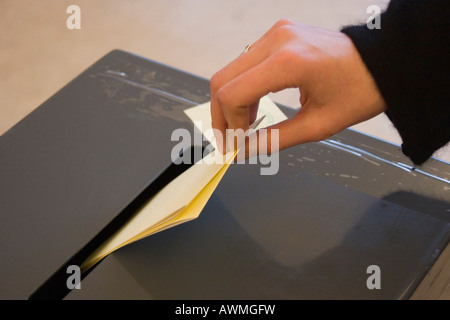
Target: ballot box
349, 217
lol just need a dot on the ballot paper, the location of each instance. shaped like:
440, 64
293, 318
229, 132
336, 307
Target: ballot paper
183, 198
201, 116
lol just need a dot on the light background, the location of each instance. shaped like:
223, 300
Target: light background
40, 54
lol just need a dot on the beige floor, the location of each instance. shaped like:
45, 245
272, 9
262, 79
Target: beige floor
39, 54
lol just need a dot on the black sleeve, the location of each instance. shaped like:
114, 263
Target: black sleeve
408, 56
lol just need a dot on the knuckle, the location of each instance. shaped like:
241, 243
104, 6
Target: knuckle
285, 31
287, 56
223, 98
284, 22
215, 82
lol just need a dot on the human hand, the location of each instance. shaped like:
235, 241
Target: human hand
336, 89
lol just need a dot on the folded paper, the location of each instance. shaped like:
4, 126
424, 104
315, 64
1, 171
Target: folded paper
183, 198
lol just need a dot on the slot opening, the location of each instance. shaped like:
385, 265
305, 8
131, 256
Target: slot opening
55, 287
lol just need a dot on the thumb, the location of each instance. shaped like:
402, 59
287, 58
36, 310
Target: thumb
302, 128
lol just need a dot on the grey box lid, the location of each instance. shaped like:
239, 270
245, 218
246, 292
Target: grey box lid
336, 207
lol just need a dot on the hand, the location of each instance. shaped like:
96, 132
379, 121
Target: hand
336, 89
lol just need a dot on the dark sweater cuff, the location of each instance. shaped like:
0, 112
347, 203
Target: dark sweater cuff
408, 59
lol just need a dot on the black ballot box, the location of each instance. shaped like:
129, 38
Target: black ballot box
337, 213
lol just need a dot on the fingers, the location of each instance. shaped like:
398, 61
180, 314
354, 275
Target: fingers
228, 112
336, 88
270, 32
308, 125
235, 97
253, 112
246, 113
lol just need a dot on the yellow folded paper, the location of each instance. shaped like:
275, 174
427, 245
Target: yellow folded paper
180, 201
183, 198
